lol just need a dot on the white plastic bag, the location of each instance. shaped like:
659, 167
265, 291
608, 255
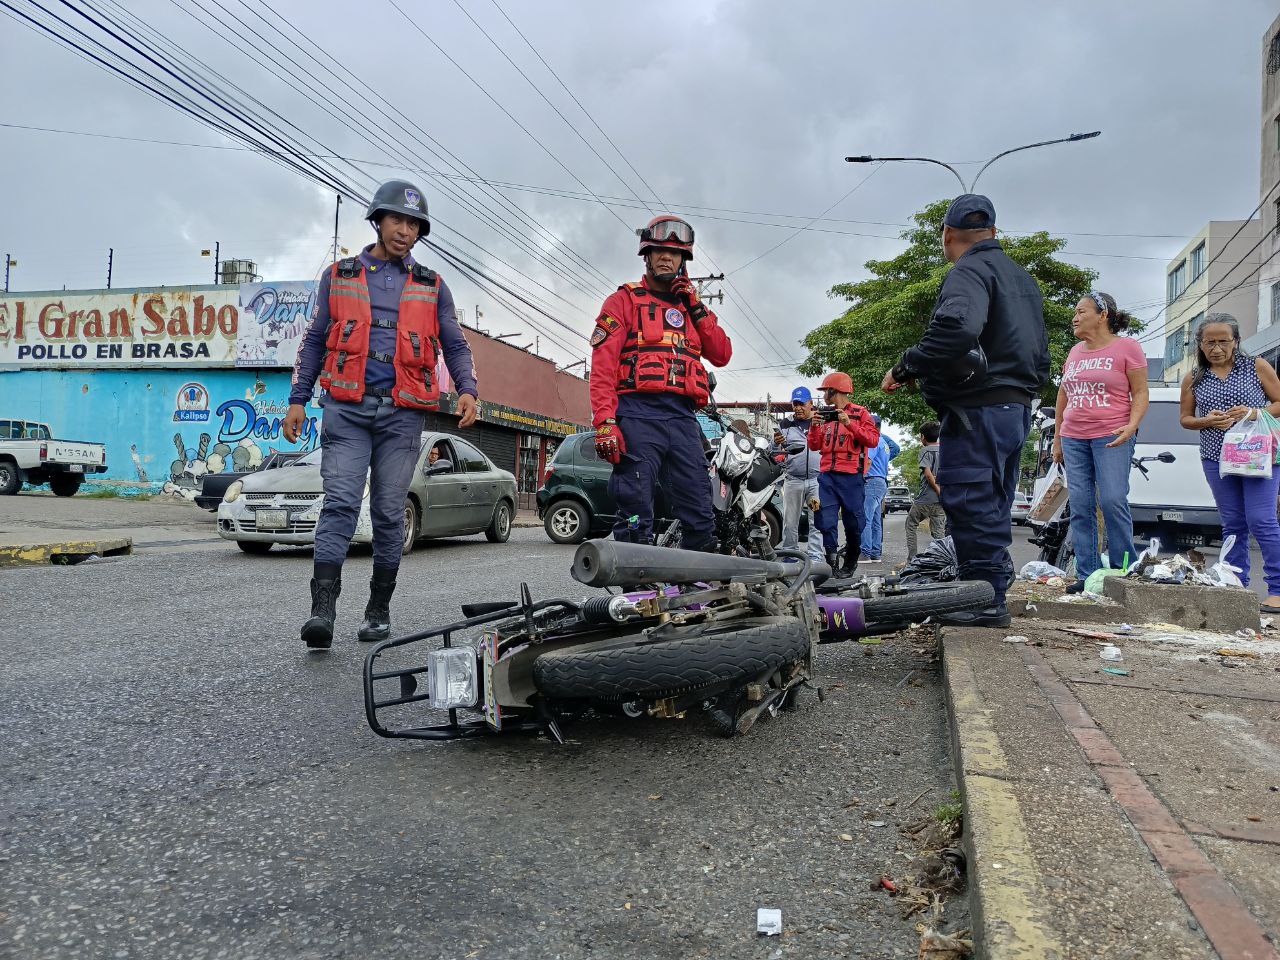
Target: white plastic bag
1223, 572
1036, 569
1248, 449
1053, 495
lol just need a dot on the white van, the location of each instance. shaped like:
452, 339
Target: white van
1173, 500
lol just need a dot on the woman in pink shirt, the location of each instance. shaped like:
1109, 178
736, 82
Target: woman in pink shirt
1101, 402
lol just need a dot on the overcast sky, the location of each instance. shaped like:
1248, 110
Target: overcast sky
741, 106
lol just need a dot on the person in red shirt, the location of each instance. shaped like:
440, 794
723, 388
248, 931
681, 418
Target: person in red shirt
647, 383
846, 443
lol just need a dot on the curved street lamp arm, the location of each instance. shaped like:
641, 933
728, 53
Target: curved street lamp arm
1043, 143
915, 159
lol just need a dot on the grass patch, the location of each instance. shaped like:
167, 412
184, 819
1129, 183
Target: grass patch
951, 812
109, 494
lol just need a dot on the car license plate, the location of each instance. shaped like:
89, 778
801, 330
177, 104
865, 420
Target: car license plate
76, 467
273, 519
1171, 515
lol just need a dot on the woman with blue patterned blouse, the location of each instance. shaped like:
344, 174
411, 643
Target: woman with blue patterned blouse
1227, 386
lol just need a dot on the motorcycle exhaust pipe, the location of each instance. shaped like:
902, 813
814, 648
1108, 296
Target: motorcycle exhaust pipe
609, 563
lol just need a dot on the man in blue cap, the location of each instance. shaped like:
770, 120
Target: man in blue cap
800, 484
982, 364
875, 488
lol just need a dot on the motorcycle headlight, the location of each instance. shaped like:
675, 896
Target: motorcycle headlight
452, 673
233, 492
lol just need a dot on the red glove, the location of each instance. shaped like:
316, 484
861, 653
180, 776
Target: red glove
609, 443
686, 290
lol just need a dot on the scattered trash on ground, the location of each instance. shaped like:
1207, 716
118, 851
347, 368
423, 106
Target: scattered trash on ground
1015, 639
1227, 652
768, 921
1125, 628
1040, 571
944, 946
1091, 634
1111, 653
1190, 568
1116, 671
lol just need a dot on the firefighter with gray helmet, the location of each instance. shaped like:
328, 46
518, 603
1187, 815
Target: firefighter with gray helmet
380, 324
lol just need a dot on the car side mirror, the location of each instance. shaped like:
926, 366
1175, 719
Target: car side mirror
1166, 457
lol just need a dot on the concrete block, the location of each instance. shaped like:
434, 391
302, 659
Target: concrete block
1220, 609
1101, 613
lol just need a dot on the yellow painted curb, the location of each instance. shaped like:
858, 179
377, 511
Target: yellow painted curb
1004, 879
35, 554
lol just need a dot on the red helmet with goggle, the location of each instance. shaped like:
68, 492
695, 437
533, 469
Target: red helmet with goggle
667, 232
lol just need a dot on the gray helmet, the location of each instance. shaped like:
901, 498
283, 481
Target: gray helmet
402, 197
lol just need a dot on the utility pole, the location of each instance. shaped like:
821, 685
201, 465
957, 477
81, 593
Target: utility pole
703, 281
336, 207
111, 253
217, 257
7, 264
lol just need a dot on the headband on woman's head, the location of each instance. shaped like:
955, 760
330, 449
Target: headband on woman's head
1101, 301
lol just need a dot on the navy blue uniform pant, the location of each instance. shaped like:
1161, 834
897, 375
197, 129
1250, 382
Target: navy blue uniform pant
375, 440
842, 494
667, 452
978, 473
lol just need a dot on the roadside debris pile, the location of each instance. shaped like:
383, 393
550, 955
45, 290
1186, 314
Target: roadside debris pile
1190, 568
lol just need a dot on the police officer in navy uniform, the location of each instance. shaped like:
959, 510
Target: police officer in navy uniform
380, 323
982, 364
648, 381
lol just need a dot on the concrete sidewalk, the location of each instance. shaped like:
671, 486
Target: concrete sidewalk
1119, 816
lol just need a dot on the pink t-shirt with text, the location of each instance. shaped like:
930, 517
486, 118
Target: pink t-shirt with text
1097, 386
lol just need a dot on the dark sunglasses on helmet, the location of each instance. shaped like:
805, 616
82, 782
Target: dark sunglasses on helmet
667, 231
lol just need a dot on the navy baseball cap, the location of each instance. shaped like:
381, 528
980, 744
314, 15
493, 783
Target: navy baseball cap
801, 395
970, 211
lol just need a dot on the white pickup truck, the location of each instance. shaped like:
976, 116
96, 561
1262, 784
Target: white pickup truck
30, 454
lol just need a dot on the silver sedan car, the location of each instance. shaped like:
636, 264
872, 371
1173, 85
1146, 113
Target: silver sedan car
456, 491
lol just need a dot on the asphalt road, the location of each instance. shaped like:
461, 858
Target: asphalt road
183, 780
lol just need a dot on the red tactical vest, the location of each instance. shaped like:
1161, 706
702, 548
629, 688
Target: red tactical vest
417, 337
841, 453
662, 352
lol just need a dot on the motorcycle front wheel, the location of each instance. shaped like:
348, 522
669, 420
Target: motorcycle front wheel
697, 658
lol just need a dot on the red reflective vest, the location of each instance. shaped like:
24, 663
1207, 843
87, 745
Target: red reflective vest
846, 449
662, 351
417, 337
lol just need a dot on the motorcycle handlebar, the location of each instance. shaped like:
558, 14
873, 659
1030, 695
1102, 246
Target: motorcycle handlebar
610, 563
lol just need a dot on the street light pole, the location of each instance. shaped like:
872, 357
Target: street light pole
973, 183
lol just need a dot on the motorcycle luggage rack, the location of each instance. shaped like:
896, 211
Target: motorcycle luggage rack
457, 728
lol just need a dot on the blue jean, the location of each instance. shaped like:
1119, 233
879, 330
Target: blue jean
1098, 476
372, 439
873, 530
842, 493
1247, 505
981, 460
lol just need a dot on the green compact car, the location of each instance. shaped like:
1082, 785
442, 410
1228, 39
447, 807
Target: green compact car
574, 503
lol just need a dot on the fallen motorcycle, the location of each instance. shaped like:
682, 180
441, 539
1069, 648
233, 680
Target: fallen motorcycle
730, 637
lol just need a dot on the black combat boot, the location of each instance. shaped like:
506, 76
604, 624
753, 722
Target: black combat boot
377, 612
831, 562
317, 632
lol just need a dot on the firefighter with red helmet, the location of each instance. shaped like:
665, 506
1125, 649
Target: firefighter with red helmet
647, 383
846, 434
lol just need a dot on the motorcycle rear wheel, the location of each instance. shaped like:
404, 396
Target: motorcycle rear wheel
916, 603
720, 656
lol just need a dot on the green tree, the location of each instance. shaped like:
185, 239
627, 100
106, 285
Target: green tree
889, 311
